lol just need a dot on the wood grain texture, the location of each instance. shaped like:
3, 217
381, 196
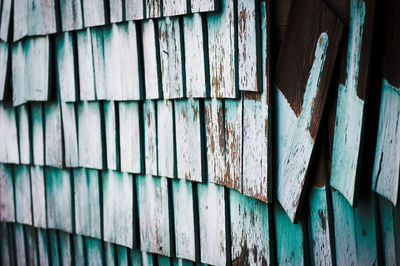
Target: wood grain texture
319, 228
93, 13
151, 60
31, 245
5, 20
85, 62
150, 137
71, 15
153, 8
345, 232
41, 17
90, 135
94, 251
20, 19
65, 245
23, 196
130, 132
172, 76
204, 5
59, 206
307, 56
23, 134
222, 47
116, 10
256, 146
67, 82
19, 242
153, 201
183, 206
78, 249
110, 109
4, 70
109, 254
53, 134
212, 220
166, 138
70, 134
250, 230
118, 208
38, 147
385, 176
134, 9
54, 248
8, 133
350, 102
189, 146
7, 207
249, 46
43, 247
99, 64
38, 196
6, 246
86, 195
175, 7
196, 63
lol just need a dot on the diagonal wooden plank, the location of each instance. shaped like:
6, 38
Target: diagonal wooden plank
38, 196
300, 97
7, 207
189, 143
38, 147
222, 47
23, 196
150, 137
71, 15
166, 138
118, 208
87, 202
130, 130
351, 101
9, 135
250, 230
172, 76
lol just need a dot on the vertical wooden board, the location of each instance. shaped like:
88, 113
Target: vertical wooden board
116, 11
150, 137
19, 241
118, 208
189, 140
38, 196
21, 9
22, 188
4, 67
147, 259
78, 250
8, 133
37, 68
18, 77
195, 56
111, 134
212, 220
205, 5
385, 176
109, 254
93, 13
6, 245
389, 230
99, 64
350, 101
215, 140
249, 230
41, 17
23, 134
153, 202
59, 206
249, 46
38, 148
153, 8
70, 134
90, 135
152, 75
53, 134
65, 248
85, 62
163, 261
290, 245
130, 137
54, 249
5, 20
87, 202
94, 253
43, 247
71, 15
122, 255
233, 110
175, 7
183, 208
134, 9
136, 257
345, 232
7, 209
66, 80
31, 246
169, 37
166, 138
365, 219
222, 47
319, 229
